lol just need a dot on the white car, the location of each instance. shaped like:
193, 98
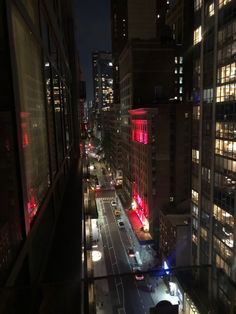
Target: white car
113, 203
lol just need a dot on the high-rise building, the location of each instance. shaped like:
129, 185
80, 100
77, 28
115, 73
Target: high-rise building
103, 90
146, 77
213, 141
39, 141
130, 19
103, 81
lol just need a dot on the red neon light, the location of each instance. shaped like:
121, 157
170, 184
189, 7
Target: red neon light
139, 131
142, 208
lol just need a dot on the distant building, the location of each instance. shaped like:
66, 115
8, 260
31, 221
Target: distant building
103, 90
102, 78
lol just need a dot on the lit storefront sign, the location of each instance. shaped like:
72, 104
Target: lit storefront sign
141, 209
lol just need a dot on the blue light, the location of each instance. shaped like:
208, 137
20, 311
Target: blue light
166, 267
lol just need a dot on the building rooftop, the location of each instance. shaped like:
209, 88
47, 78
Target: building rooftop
178, 219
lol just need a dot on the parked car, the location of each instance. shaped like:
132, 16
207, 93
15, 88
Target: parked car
121, 224
131, 252
117, 213
113, 203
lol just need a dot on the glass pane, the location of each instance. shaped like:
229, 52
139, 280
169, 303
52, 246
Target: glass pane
32, 115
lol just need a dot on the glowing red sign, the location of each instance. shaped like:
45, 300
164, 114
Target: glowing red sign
142, 208
139, 131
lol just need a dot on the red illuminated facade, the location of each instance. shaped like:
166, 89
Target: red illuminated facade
139, 131
143, 198
160, 146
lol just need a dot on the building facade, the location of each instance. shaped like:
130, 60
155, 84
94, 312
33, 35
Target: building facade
129, 19
102, 78
159, 163
142, 61
39, 134
213, 141
103, 89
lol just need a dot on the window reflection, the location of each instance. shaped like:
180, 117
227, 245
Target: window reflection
32, 115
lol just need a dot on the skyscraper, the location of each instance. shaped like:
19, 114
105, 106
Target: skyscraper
130, 19
102, 78
213, 142
103, 90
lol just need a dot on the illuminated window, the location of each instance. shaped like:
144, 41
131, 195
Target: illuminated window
226, 92
226, 73
204, 233
180, 60
197, 4
195, 197
176, 70
196, 112
180, 70
223, 2
226, 148
223, 216
194, 238
181, 80
195, 210
195, 155
197, 35
211, 9
176, 59
208, 95
181, 90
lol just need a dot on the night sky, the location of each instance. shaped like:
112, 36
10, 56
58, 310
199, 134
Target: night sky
93, 33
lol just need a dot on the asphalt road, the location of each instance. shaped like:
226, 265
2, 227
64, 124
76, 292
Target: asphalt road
127, 294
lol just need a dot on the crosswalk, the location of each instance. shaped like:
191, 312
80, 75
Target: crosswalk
106, 199
105, 194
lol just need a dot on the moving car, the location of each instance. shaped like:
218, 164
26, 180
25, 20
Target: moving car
138, 274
